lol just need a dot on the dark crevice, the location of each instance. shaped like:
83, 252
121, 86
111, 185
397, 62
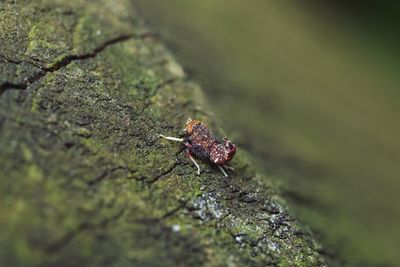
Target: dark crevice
106, 173
85, 226
7, 85
172, 212
99, 177
67, 60
17, 62
168, 171
160, 86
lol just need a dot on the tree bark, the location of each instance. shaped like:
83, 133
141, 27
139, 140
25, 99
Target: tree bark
85, 88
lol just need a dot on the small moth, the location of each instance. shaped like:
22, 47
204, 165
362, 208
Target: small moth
202, 144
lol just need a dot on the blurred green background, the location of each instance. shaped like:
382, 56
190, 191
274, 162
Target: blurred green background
311, 90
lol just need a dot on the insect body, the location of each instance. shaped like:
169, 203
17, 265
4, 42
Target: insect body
201, 143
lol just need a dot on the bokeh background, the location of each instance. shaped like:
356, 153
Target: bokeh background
311, 90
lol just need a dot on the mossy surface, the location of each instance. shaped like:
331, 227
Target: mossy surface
85, 179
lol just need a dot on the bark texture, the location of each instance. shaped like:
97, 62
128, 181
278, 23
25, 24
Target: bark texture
85, 89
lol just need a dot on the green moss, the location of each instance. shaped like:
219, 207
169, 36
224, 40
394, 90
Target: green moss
47, 40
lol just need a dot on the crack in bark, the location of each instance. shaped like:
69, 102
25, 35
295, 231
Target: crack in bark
67, 60
108, 172
17, 62
7, 85
168, 171
173, 211
68, 237
163, 84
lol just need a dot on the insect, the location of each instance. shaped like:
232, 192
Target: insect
202, 144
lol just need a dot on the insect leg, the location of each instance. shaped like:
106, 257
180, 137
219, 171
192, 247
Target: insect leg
223, 171
194, 161
171, 138
229, 167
